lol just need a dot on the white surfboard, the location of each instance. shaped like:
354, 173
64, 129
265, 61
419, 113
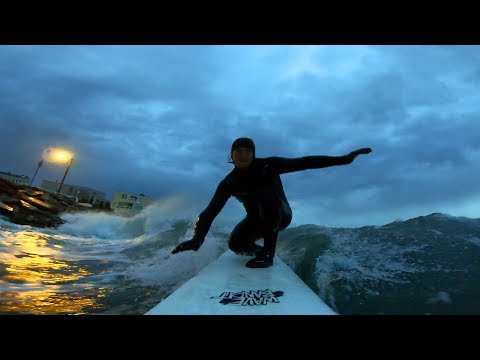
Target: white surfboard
227, 287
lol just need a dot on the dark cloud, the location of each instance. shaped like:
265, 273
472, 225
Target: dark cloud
160, 120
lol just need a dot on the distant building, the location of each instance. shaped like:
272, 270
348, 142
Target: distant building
16, 179
129, 204
81, 193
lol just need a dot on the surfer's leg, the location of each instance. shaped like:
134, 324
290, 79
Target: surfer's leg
243, 237
285, 215
276, 216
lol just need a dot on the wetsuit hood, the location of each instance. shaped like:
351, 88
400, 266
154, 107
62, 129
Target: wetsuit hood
243, 142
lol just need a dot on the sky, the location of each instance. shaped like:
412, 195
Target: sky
160, 120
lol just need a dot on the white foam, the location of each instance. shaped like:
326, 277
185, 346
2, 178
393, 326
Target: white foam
361, 262
156, 217
474, 240
169, 271
440, 297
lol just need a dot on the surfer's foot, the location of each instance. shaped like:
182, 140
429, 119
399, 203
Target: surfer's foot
260, 261
254, 250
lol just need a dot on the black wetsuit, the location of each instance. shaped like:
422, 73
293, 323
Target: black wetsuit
260, 190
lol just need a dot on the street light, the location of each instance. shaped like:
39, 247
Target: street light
64, 176
40, 163
59, 156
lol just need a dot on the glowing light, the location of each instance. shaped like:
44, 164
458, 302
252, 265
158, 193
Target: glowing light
5, 206
57, 155
40, 281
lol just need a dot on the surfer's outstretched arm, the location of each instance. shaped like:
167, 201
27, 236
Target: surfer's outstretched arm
285, 165
205, 219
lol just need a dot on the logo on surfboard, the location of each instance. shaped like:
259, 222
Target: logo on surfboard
249, 297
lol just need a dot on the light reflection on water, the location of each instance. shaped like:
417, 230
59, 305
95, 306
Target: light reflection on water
34, 279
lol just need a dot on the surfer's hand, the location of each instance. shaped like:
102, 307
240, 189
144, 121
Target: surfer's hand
361, 151
187, 245
355, 153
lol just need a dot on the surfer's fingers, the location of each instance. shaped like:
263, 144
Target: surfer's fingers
178, 248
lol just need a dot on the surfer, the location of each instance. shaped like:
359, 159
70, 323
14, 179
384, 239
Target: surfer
256, 183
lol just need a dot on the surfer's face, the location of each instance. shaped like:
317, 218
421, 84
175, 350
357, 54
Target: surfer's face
242, 157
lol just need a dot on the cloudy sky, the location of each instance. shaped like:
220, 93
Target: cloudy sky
160, 120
